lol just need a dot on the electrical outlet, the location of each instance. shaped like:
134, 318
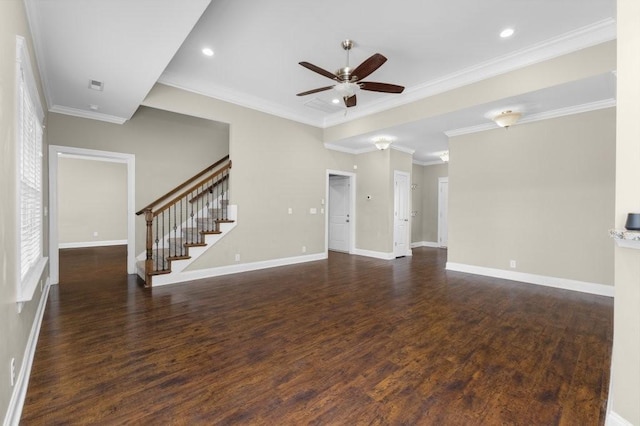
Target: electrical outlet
13, 371
512, 264
290, 210
304, 249
237, 257
95, 233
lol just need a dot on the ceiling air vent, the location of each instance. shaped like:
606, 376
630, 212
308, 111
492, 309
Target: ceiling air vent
324, 106
96, 85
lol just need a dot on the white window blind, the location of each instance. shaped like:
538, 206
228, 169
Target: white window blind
29, 135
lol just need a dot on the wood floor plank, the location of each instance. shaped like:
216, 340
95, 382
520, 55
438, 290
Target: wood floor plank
346, 341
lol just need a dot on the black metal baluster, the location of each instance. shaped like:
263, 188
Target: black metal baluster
157, 219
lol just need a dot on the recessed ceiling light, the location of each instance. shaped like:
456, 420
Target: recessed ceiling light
207, 51
93, 107
507, 32
336, 101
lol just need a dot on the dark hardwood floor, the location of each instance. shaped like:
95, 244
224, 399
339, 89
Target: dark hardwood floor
347, 341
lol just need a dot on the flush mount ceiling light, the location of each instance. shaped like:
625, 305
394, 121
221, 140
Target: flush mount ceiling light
382, 143
445, 157
207, 51
507, 118
507, 32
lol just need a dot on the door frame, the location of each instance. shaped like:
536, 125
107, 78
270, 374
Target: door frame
442, 180
89, 154
352, 209
408, 251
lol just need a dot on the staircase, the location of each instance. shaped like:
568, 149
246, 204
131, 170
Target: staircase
184, 223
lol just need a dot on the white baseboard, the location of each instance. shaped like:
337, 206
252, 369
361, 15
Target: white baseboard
615, 419
374, 254
425, 244
92, 244
563, 283
159, 280
14, 411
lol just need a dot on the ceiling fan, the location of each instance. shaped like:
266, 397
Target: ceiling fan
350, 79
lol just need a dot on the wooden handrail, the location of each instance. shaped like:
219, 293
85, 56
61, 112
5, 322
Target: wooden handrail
179, 187
191, 189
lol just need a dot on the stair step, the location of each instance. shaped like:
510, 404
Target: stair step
192, 236
206, 224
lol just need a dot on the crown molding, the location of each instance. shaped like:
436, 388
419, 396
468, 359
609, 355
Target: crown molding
546, 115
428, 163
247, 101
87, 114
340, 148
34, 28
569, 42
402, 149
372, 148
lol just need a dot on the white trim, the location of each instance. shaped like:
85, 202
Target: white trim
31, 10
87, 114
402, 149
158, 280
546, 115
425, 244
244, 100
129, 160
615, 419
374, 254
562, 283
16, 403
572, 41
31, 280
428, 163
352, 209
340, 148
372, 148
92, 244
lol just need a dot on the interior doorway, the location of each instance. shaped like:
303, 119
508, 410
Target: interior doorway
443, 212
54, 153
401, 229
340, 212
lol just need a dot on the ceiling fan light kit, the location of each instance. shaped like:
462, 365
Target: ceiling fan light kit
507, 118
349, 80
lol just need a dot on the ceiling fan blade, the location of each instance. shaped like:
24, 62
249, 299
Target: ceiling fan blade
350, 101
308, 92
319, 70
381, 87
374, 62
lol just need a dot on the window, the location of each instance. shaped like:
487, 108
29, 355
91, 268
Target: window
29, 135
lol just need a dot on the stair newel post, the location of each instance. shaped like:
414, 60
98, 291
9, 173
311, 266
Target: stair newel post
148, 263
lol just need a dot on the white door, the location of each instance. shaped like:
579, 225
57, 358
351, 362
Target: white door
443, 211
401, 214
339, 219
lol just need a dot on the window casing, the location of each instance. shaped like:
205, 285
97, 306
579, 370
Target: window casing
29, 140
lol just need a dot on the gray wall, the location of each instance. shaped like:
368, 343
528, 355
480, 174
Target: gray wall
540, 193
278, 163
625, 364
15, 326
169, 148
424, 226
92, 197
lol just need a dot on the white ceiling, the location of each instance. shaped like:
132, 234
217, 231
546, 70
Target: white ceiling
431, 47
